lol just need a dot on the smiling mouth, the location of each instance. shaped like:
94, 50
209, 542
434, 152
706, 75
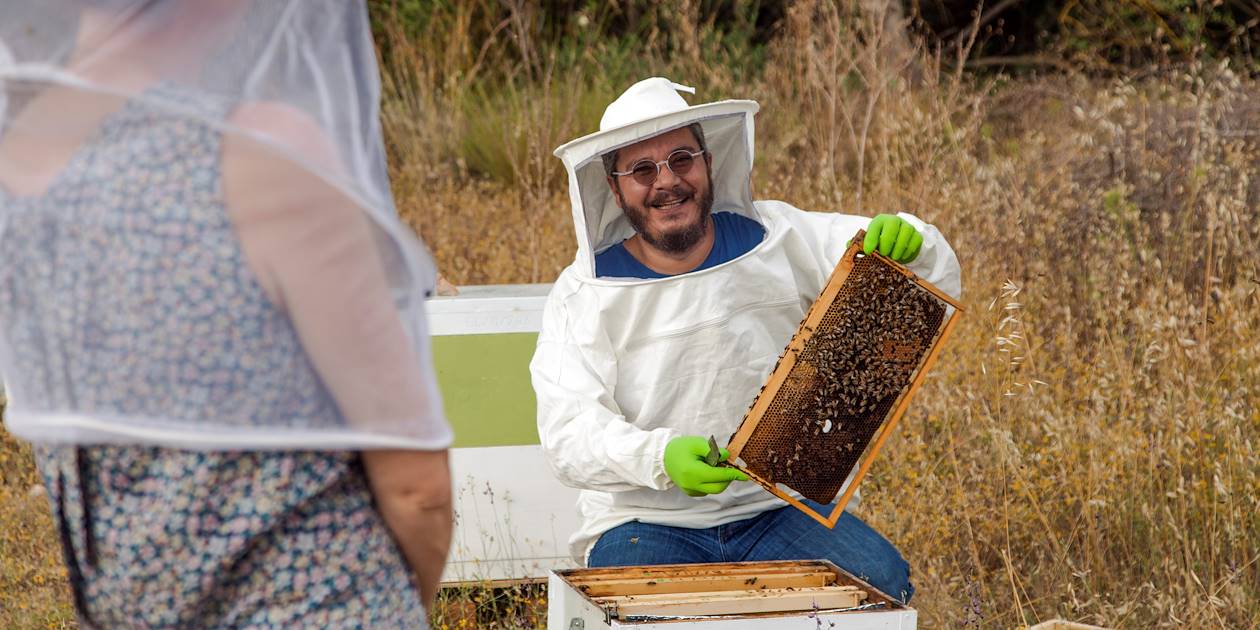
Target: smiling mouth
669, 205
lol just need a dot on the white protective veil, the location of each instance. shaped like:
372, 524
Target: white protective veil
200, 244
625, 365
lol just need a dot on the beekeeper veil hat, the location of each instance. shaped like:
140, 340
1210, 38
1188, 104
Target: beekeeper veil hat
649, 108
129, 307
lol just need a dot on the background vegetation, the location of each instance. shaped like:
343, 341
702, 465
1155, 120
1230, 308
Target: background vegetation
1086, 448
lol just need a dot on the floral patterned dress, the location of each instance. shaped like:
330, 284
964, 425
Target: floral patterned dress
160, 537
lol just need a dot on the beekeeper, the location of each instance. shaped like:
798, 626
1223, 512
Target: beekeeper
683, 293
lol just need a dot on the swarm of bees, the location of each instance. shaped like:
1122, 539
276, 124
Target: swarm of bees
846, 380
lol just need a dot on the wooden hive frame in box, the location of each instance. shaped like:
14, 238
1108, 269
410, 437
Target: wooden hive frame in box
722, 589
843, 381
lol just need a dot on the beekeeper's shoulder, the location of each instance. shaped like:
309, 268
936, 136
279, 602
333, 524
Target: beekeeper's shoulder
566, 298
779, 215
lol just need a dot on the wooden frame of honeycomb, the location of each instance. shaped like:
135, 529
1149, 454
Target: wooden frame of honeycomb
843, 382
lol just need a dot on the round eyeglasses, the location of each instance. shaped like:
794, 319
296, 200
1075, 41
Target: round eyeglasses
679, 163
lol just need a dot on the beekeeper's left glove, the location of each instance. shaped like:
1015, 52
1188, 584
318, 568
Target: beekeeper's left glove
894, 237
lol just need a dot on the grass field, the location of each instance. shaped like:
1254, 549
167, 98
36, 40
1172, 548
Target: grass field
1087, 447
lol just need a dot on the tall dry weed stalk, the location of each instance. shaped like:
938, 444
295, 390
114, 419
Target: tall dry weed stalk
843, 91
837, 62
468, 136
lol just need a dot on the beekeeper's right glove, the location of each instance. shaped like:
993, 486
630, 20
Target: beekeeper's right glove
685, 465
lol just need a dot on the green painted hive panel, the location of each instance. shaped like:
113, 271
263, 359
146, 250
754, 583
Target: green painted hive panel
486, 388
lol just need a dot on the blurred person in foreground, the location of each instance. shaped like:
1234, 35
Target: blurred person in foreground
211, 322
683, 294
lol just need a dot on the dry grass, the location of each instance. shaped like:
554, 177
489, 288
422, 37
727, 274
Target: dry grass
34, 592
1086, 448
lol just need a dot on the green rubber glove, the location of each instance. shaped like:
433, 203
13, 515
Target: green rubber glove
894, 237
684, 463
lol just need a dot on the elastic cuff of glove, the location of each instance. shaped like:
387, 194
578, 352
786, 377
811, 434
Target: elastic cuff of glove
923, 260
914, 221
660, 478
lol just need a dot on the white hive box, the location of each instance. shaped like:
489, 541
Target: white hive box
513, 518
800, 594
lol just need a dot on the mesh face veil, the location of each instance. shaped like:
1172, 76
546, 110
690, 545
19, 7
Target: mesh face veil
201, 247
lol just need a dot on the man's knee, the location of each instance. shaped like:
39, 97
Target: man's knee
891, 575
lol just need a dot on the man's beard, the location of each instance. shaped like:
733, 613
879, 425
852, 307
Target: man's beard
676, 241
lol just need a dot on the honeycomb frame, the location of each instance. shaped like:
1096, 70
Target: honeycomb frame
781, 414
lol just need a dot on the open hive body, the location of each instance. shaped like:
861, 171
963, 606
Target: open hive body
843, 381
745, 595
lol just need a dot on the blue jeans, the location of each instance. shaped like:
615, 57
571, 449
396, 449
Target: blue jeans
782, 534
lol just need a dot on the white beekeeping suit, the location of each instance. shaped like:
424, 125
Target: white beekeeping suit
623, 366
